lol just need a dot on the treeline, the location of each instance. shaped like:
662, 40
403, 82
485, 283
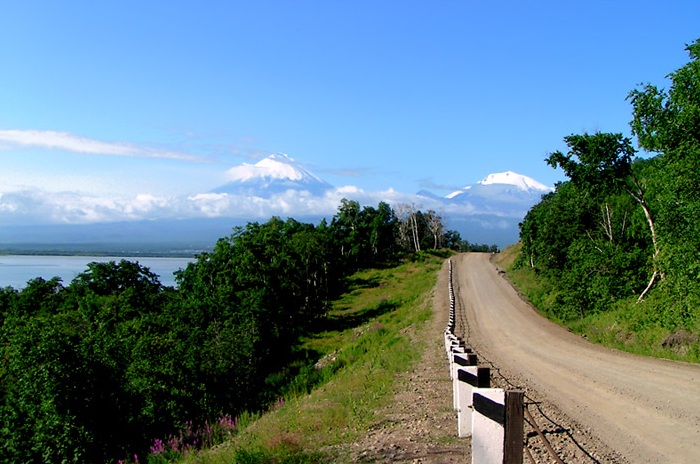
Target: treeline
96, 370
624, 228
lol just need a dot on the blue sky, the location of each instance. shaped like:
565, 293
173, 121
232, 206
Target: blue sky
133, 104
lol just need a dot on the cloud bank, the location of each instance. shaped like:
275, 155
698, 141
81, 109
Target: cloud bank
42, 207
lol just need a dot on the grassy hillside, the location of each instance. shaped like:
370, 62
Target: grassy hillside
626, 325
345, 374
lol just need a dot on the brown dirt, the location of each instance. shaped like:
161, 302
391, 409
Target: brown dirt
594, 405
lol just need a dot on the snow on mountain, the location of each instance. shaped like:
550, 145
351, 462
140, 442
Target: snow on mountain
456, 192
513, 178
499, 201
503, 183
490, 210
273, 175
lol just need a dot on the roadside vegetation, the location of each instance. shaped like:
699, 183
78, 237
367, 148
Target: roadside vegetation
366, 342
614, 252
117, 367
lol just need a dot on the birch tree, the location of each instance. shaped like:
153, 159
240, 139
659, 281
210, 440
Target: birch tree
667, 122
600, 165
407, 215
436, 227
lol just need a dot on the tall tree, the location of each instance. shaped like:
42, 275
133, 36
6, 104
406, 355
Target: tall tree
346, 229
381, 223
600, 165
435, 225
409, 226
668, 122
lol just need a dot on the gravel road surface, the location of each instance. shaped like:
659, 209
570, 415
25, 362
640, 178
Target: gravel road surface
646, 410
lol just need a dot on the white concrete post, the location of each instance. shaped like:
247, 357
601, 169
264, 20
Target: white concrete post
455, 349
497, 426
460, 359
449, 338
468, 378
488, 420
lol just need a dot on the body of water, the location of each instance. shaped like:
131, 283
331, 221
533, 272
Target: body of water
16, 270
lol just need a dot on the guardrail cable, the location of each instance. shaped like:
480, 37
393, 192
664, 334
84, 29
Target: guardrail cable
565, 430
529, 455
547, 445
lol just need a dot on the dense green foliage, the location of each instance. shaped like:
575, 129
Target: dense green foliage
626, 229
96, 370
371, 341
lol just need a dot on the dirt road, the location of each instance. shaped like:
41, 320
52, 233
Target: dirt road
648, 410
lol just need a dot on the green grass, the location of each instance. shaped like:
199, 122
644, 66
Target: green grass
366, 343
637, 328
537, 290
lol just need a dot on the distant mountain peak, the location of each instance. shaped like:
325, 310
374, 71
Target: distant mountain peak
513, 178
275, 166
457, 192
500, 181
274, 174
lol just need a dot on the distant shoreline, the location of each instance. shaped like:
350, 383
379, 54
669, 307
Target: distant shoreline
98, 250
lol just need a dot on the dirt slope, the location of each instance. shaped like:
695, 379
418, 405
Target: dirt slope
646, 410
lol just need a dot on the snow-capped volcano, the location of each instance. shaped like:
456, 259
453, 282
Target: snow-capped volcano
504, 182
513, 178
504, 194
491, 209
272, 175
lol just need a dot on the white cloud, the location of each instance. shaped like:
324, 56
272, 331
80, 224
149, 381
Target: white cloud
39, 206
69, 142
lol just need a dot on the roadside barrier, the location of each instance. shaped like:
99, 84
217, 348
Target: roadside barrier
459, 361
468, 379
497, 426
493, 417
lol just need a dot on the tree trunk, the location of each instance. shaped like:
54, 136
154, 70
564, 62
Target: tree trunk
414, 225
639, 196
